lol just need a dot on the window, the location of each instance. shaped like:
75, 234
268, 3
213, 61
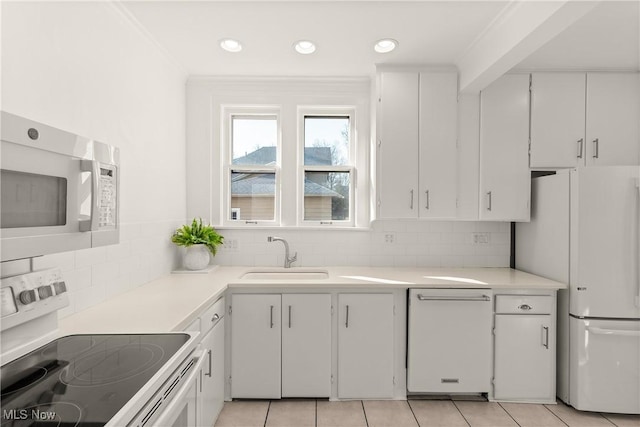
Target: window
252, 167
290, 166
327, 168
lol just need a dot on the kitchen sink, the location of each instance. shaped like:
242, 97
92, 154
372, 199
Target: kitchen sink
286, 274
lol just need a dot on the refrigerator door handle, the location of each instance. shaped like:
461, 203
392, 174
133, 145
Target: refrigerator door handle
622, 333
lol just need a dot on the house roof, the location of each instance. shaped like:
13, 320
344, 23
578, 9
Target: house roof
267, 155
264, 185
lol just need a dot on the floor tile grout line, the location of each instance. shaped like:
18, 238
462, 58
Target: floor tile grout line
414, 414
556, 415
608, 420
364, 411
266, 417
508, 413
461, 414
316, 412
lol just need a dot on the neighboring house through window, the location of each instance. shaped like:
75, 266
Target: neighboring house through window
327, 167
253, 168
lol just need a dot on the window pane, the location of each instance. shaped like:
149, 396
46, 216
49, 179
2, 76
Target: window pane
326, 140
253, 196
254, 140
326, 196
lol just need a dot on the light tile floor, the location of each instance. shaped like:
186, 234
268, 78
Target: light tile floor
412, 413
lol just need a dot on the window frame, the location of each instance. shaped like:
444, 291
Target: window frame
351, 167
228, 115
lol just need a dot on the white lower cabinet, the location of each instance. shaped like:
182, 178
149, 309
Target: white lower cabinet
280, 346
213, 374
306, 345
208, 392
255, 346
365, 346
524, 352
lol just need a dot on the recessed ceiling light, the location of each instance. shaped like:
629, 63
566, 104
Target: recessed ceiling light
385, 45
231, 45
304, 47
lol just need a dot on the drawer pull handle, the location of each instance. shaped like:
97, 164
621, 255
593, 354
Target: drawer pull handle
449, 380
525, 307
422, 297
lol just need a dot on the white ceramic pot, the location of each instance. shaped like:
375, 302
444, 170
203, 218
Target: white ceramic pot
196, 257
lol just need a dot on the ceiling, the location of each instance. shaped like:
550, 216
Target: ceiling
428, 32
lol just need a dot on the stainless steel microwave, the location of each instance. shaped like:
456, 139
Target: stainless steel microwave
59, 191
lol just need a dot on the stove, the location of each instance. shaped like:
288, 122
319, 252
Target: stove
80, 380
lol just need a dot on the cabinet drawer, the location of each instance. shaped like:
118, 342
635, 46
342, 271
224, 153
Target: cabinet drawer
212, 315
523, 304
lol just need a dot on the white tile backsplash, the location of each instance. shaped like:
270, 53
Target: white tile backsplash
414, 244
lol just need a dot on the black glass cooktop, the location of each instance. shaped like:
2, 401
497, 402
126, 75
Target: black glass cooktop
81, 380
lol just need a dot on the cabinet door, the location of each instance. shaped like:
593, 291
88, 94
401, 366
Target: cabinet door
613, 108
306, 345
524, 358
504, 141
255, 346
213, 374
557, 119
398, 145
438, 151
365, 346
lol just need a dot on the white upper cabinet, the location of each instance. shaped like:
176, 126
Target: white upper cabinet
582, 119
613, 116
438, 152
505, 178
398, 145
557, 119
417, 153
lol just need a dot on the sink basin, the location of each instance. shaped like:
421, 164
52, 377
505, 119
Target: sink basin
286, 274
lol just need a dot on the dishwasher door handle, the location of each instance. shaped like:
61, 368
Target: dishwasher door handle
422, 297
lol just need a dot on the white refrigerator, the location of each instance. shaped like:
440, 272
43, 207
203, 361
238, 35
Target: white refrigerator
585, 231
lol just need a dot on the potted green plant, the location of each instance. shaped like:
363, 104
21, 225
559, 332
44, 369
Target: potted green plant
200, 241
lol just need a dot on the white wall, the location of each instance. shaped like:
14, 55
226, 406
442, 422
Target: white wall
85, 67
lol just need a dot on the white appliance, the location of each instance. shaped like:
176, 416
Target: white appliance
449, 341
59, 190
111, 380
584, 231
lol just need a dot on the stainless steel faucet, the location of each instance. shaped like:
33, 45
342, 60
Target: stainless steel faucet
287, 260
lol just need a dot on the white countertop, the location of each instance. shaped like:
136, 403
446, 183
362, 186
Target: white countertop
173, 301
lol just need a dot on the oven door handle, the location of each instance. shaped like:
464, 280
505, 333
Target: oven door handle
171, 411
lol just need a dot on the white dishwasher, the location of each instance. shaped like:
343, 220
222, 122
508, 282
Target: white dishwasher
449, 341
